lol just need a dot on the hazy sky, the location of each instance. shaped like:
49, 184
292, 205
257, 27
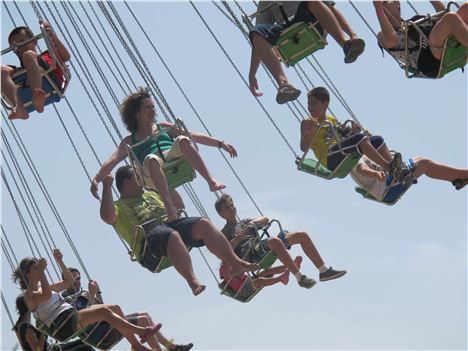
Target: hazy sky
406, 281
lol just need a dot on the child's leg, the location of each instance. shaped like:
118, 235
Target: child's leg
451, 24
261, 282
11, 92
144, 320
437, 170
277, 246
379, 144
194, 159
35, 79
303, 239
272, 271
269, 57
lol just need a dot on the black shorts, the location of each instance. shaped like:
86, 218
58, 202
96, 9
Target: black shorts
62, 330
158, 237
427, 63
350, 145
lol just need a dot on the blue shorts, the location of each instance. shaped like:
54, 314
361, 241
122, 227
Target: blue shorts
271, 32
350, 145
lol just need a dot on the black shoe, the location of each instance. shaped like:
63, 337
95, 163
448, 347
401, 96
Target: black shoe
352, 49
181, 347
331, 274
406, 176
306, 282
396, 165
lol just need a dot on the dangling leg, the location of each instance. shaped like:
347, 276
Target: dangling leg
35, 79
182, 262
194, 159
11, 92
440, 171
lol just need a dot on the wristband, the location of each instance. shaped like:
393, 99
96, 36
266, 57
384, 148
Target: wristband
220, 144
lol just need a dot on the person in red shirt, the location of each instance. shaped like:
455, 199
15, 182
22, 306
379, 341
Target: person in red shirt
32, 62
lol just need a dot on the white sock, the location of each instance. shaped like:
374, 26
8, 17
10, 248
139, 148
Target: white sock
323, 268
298, 275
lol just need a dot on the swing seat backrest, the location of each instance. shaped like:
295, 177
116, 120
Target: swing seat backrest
299, 41
178, 172
455, 56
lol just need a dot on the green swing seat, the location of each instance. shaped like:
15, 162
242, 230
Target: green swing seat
312, 166
177, 171
299, 41
454, 54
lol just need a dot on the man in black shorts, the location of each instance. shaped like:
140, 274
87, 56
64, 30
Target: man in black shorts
136, 206
264, 36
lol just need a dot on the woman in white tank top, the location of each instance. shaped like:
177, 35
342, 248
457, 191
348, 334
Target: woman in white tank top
60, 317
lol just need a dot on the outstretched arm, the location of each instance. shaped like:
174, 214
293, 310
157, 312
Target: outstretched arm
61, 49
106, 168
107, 210
387, 37
260, 221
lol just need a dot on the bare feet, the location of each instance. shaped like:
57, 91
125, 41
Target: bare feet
38, 99
215, 186
18, 112
284, 278
198, 289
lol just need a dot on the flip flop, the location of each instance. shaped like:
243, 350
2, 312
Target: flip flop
199, 290
149, 332
286, 93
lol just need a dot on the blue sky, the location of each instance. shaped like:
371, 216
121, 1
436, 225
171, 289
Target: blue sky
406, 281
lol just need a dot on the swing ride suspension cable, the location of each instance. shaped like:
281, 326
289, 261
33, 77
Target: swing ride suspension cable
187, 99
243, 79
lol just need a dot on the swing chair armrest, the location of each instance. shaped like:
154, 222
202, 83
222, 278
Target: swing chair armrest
49, 45
450, 3
180, 125
14, 47
267, 227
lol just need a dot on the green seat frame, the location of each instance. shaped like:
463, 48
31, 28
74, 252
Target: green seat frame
454, 54
295, 42
299, 41
266, 262
315, 167
177, 171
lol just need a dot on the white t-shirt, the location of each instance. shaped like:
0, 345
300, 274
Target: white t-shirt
374, 186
